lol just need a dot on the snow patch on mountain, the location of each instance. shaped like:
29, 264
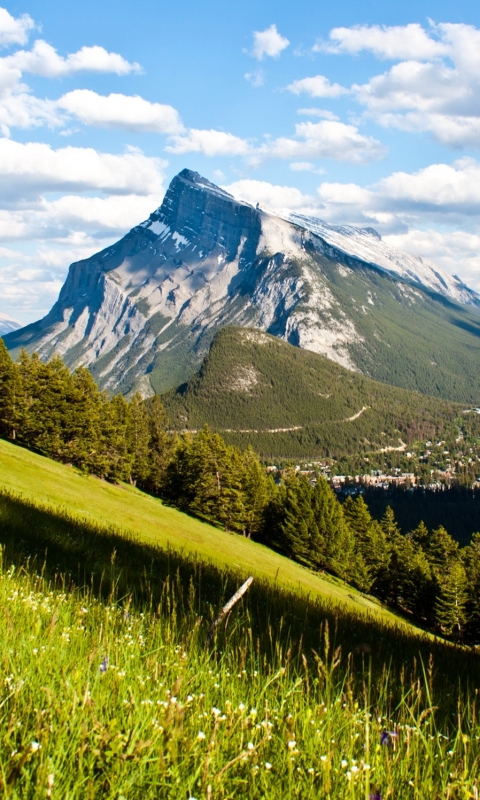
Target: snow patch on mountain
8, 324
367, 245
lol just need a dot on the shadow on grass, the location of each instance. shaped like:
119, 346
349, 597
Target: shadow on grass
280, 623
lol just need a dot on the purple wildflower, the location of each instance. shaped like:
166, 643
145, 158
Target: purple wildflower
386, 736
104, 665
376, 796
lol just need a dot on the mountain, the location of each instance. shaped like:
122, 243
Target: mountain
8, 324
291, 403
143, 312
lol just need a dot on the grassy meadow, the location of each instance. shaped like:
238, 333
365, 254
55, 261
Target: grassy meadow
108, 689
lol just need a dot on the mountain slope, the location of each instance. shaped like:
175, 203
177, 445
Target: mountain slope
289, 403
41, 481
142, 313
8, 324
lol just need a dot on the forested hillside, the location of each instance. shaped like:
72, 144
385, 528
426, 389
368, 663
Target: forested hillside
291, 403
424, 573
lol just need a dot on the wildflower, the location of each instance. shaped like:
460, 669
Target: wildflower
386, 736
344, 763
35, 746
201, 735
375, 796
292, 744
104, 665
250, 746
268, 765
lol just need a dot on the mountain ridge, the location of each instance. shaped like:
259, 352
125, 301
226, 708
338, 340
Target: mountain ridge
142, 313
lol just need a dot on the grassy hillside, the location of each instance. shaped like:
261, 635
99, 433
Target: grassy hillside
58, 489
102, 700
308, 690
287, 402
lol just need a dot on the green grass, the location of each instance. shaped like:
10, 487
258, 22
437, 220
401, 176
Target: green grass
109, 691
150, 522
102, 700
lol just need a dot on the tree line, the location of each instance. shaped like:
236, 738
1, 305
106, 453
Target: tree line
63, 415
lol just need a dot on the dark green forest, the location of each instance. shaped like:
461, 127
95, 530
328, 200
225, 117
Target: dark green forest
290, 403
63, 415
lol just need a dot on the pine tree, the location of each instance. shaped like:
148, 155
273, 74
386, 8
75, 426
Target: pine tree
257, 489
297, 534
471, 561
450, 608
441, 550
83, 422
161, 445
10, 395
335, 549
138, 440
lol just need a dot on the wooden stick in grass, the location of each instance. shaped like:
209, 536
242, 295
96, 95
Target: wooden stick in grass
227, 607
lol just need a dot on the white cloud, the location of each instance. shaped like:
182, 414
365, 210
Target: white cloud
29, 170
458, 252
256, 78
252, 191
327, 139
268, 43
14, 30
44, 60
438, 188
302, 166
210, 143
390, 42
436, 86
317, 86
121, 111
317, 112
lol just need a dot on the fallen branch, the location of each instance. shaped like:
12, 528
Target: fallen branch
226, 608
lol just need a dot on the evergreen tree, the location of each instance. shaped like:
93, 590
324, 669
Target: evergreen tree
335, 549
10, 395
441, 550
83, 423
450, 608
257, 490
138, 440
370, 539
297, 534
161, 445
471, 561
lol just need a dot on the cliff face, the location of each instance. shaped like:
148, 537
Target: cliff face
142, 313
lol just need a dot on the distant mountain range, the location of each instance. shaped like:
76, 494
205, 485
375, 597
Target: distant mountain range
291, 403
8, 324
142, 313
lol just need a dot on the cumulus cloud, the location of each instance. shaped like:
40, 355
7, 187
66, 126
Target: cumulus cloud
120, 111
434, 88
317, 86
29, 170
14, 30
390, 42
210, 143
326, 139
44, 60
274, 196
268, 43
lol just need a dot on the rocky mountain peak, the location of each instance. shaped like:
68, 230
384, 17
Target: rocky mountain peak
142, 313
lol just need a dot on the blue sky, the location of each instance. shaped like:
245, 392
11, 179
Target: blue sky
357, 113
